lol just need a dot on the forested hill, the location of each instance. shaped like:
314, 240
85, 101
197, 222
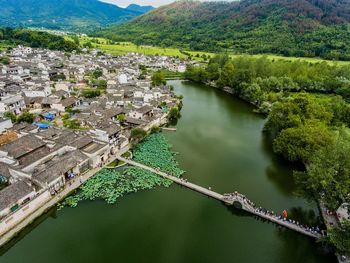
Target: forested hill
288, 27
63, 14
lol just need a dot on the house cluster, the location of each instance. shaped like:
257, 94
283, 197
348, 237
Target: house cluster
71, 133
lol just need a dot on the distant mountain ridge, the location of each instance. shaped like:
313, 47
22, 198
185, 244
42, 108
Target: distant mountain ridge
64, 14
288, 27
141, 9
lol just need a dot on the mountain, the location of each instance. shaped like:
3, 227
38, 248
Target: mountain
141, 9
62, 14
289, 27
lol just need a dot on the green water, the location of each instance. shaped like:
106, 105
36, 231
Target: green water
220, 144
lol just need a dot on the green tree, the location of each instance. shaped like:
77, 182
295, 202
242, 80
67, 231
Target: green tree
327, 176
10, 115
158, 79
138, 134
97, 73
102, 84
91, 93
295, 110
121, 118
227, 75
339, 237
4, 60
197, 74
155, 129
174, 113
253, 93
71, 124
303, 141
88, 45
26, 117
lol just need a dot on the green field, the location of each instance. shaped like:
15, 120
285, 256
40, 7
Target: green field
122, 48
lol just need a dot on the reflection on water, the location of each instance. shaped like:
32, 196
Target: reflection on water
51, 213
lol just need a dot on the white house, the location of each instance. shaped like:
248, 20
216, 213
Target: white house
122, 78
13, 196
65, 86
13, 103
39, 92
5, 124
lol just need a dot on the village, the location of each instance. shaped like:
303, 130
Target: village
64, 115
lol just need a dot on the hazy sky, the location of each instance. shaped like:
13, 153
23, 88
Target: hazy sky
155, 3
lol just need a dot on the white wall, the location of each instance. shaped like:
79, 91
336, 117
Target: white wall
6, 124
9, 222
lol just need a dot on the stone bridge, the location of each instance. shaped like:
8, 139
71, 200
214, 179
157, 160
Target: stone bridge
236, 199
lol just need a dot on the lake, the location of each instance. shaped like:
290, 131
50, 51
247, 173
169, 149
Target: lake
220, 144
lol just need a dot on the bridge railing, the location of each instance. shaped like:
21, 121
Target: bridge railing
249, 206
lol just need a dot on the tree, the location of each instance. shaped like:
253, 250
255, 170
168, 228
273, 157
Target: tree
303, 141
71, 124
295, 110
97, 73
58, 77
102, 84
91, 93
252, 93
158, 79
121, 118
339, 237
155, 129
327, 176
197, 74
138, 134
10, 115
26, 117
88, 45
174, 113
4, 60
227, 75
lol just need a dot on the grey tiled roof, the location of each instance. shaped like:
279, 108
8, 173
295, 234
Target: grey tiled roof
11, 194
59, 166
4, 169
22, 146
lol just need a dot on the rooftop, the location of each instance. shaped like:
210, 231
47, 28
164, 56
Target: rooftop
58, 166
11, 194
22, 146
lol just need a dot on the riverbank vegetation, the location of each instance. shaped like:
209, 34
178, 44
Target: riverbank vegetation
109, 185
308, 112
259, 80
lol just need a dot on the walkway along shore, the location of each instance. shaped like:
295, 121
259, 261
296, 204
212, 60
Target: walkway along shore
236, 199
